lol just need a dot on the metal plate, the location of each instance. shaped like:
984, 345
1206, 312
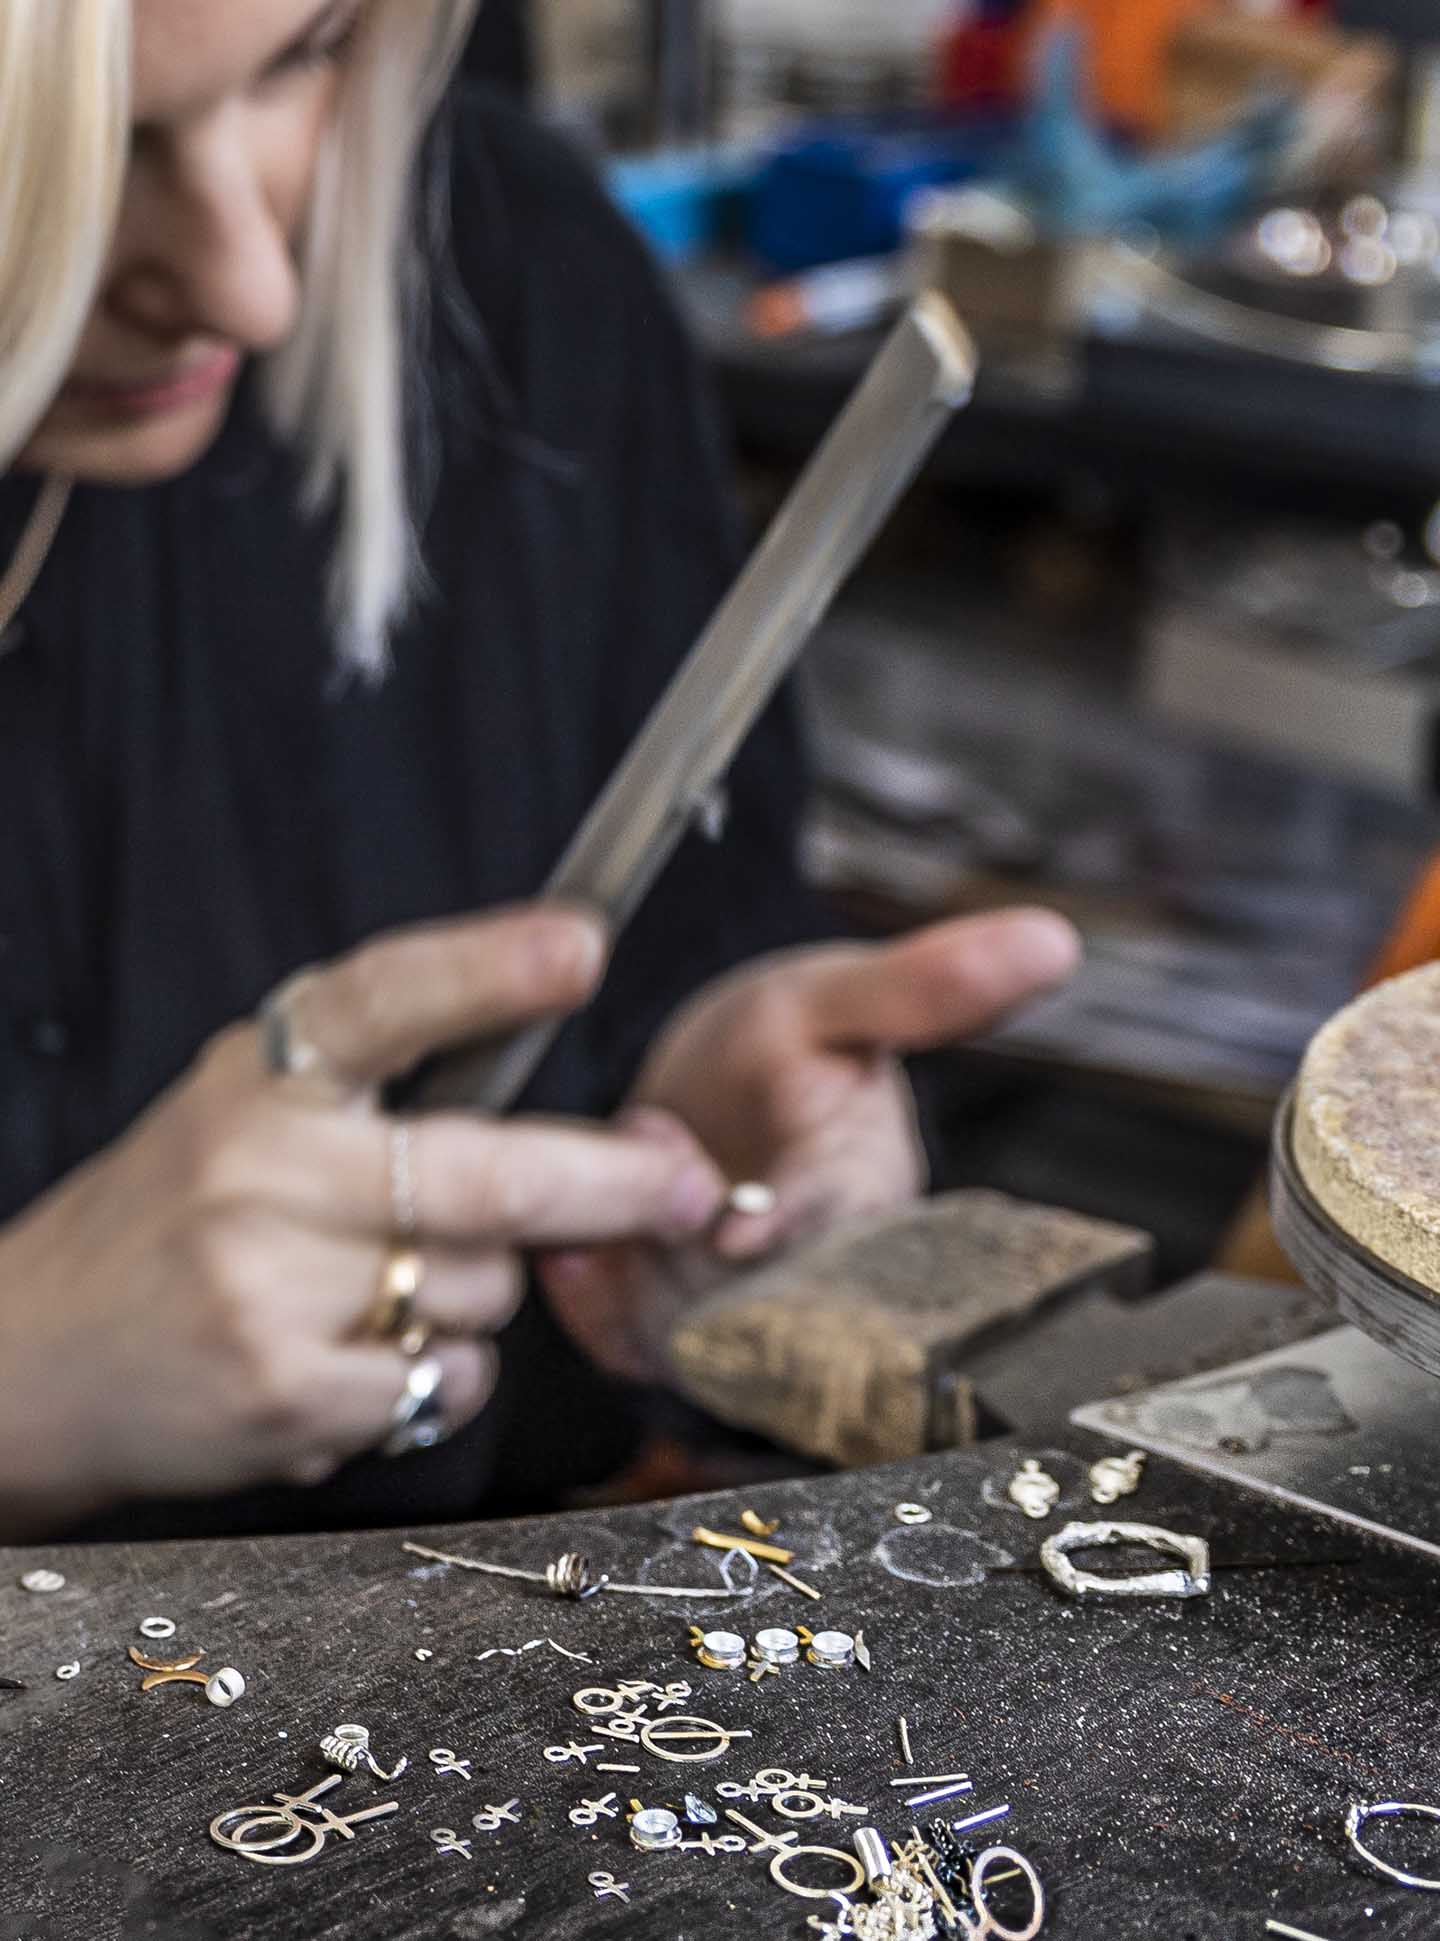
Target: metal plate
1336, 1425
1394, 1310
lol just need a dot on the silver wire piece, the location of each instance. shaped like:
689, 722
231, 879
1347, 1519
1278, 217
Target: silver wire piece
1192, 1580
1361, 1812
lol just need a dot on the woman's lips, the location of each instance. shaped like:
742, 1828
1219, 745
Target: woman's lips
156, 397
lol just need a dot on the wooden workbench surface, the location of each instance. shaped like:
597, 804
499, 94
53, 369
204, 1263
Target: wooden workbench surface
1177, 1772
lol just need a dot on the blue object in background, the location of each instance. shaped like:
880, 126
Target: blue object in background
685, 201
839, 190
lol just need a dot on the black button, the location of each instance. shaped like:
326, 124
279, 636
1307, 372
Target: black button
49, 1038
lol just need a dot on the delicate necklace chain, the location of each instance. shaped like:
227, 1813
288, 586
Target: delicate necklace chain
36, 543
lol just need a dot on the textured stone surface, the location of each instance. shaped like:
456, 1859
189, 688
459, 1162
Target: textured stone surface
1367, 1122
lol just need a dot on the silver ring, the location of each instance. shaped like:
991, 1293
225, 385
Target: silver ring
1389, 1809
418, 1418
1191, 1580
404, 1213
287, 1052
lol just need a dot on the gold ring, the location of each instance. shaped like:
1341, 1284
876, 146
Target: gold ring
392, 1315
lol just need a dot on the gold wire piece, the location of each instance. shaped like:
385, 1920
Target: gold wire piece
795, 1583
756, 1524
165, 1664
769, 1553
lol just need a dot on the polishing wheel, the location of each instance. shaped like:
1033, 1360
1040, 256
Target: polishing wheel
1355, 1165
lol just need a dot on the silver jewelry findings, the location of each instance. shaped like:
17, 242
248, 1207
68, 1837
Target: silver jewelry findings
658, 1735
223, 1687
235, 1830
607, 1887
912, 1513
157, 1628
66, 1672
1361, 1812
719, 1650
444, 1761
654, 1828
1116, 1476
490, 1819
447, 1840
347, 1749
854, 1871
591, 1811
42, 1583
1193, 1580
1033, 1491
831, 1650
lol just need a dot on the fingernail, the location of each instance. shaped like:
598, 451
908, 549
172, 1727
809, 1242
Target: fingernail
696, 1199
1041, 947
571, 946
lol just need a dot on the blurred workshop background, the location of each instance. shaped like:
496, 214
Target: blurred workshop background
1156, 642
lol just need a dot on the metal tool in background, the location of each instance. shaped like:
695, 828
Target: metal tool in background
924, 373
1346, 1424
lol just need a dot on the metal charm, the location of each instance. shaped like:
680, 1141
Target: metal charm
777, 1646
569, 1576
347, 1749
1116, 1476
42, 1583
490, 1819
591, 1811
802, 1805
658, 1734
563, 1755
177, 1671
847, 1860
606, 1885
831, 1650
1193, 1580
720, 1650
713, 1843
447, 1840
223, 1687
763, 1841
286, 1815
1033, 1491
1388, 1809
654, 1828
444, 1761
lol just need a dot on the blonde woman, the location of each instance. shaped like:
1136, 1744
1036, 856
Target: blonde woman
359, 498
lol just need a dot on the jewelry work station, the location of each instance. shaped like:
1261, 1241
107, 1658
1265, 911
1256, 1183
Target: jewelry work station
1148, 1667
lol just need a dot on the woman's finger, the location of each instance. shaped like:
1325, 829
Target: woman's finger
938, 986
482, 1182
376, 1014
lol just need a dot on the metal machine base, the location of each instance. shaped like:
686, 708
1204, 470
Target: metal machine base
1337, 1424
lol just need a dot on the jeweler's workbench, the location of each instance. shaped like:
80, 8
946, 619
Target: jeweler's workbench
1177, 1771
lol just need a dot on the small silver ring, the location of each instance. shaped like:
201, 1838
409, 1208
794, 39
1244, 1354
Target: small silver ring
418, 1418
157, 1627
404, 1210
287, 1053
1389, 1809
912, 1513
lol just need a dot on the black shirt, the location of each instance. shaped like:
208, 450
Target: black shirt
193, 805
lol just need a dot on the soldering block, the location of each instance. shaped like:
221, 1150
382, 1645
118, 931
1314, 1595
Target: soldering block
1367, 1122
851, 1350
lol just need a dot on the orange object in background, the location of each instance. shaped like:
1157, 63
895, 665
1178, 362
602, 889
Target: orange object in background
1130, 44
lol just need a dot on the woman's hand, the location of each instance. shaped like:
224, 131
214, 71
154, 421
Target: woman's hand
187, 1314
788, 1073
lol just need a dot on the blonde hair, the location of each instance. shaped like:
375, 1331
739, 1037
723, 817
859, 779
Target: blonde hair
336, 389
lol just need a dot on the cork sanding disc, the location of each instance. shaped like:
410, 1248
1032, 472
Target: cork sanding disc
1366, 1136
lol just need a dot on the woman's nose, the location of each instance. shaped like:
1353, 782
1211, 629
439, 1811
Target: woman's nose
203, 250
